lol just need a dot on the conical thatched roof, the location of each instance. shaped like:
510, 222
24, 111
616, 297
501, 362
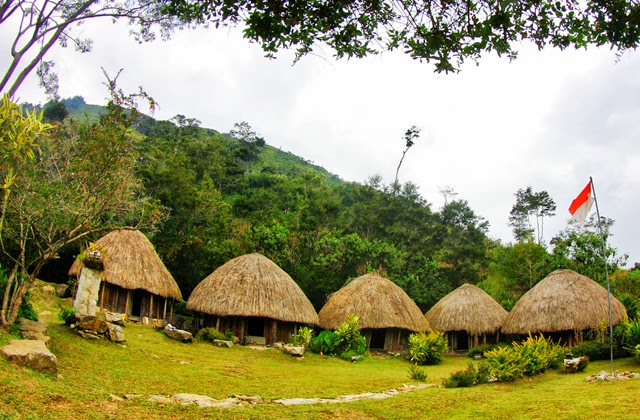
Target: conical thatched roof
563, 301
468, 308
252, 285
378, 303
131, 263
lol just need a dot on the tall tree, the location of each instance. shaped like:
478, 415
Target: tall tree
409, 138
36, 25
443, 32
60, 187
530, 203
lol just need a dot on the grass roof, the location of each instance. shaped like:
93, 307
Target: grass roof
131, 262
377, 301
252, 285
562, 301
468, 308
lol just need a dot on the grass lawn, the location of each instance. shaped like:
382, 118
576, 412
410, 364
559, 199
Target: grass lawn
150, 363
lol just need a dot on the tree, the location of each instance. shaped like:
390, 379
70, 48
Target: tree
529, 203
36, 25
409, 136
579, 248
443, 32
61, 186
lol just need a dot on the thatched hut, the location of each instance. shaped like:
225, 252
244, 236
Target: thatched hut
563, 306
132, 279
468, 316
387, 315
254, 299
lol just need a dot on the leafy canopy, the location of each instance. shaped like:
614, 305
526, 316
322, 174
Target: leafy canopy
443, 32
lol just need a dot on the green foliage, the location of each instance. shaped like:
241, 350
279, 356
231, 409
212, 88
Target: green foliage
631, 334
210, 334
68, 316
470, 376
417, 373
324, 343
529, 203
443, 33
26, 309
481, 349
302, 338
427, 349
637, 352
345, 341
595, 350
530, 357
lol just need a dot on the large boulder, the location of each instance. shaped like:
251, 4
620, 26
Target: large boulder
32, 330
113, 318
115, 333
176, 334
92, 323
297, 351
86, 301
31, 353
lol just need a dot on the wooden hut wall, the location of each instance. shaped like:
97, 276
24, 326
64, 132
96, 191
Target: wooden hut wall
112, 298
396, 340
119, 300
274, 331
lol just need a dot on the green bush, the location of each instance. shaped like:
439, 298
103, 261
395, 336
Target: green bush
417, 373
345, 341
470, 376
595, 350
302, 338
427, 349
324, 343
631, 333
210, 334
26, 309
530, 357
637, 352
68, 316
480, 349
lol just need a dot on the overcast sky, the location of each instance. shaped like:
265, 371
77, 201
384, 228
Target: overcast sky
548, 120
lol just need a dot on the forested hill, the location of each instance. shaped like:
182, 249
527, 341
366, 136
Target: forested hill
231, 194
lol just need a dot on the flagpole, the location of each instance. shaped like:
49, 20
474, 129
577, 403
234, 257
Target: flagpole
606, 271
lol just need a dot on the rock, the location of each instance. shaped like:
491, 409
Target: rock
35, 326
297, 351
31, 353
223, 343
180, 335
133, 396
144, 320
86, 301
49, 289
62, 290
114, 318
92, 323
199, 400
115, 333
250, 398
158, 324
115, 398
160, 399
279, 345
44, 313
34, 335
298, 401
182, 362
88, 335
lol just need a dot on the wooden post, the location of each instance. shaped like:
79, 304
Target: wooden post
218, 323
151, 306
117, 292
164, 313
126, 305
172, 311
102, 285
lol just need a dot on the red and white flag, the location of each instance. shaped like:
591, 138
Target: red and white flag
581, 205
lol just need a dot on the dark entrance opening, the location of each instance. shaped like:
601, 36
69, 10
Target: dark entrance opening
462, 339
136, 302
377, 338
255, 327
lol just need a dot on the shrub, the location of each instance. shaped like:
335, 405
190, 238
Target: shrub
68, 316
302, 338
324, 343
595, 350
504, 364
631, 333
417, 373
348, 337
637, 352
480, 349
470, 376
26, 309
427, 349
210, 334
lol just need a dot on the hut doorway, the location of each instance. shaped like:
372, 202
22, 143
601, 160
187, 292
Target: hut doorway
255, 326
462, 341
378, 336
136, 302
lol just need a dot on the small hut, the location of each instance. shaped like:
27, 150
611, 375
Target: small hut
387, 315
129, 279
254, 299
469, 316
563, 306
